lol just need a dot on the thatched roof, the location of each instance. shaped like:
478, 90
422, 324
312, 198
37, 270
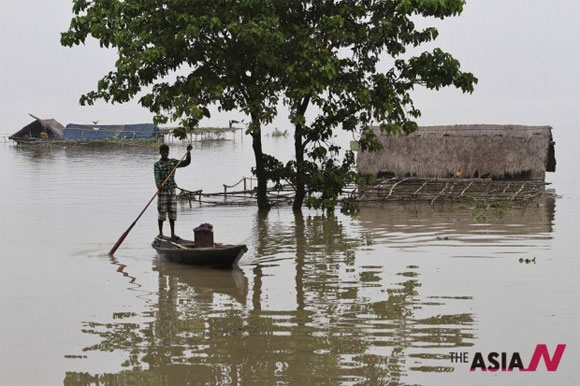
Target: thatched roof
51, 127
494, 151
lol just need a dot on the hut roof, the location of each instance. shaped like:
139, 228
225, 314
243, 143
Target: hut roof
52, 127
495, 151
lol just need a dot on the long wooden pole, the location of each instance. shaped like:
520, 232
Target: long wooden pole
124, 235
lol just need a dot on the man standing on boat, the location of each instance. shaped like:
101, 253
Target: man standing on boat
167, 198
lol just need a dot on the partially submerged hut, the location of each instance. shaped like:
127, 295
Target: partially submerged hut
50, 131
499, 152
39, 129
459, 163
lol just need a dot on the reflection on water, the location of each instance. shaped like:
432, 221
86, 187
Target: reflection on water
206, 283
346, 325
381, 297
530, 217
415, 225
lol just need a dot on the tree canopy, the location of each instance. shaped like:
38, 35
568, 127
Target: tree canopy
185, 55
336, 64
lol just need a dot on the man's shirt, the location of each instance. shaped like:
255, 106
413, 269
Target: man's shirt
162, 169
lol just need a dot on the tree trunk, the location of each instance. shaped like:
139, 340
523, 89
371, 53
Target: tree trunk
300, 177
260, 167
299, 153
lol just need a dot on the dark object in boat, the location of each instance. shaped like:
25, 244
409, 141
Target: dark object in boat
185, 252
203, 235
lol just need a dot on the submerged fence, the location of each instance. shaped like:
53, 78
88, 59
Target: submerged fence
432, 190
436, 190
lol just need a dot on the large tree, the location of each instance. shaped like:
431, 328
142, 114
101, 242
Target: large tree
349, 64
246, 55
186, 55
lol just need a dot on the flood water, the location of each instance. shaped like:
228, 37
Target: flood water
378, 298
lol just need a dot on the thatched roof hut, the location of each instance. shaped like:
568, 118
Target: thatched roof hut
49, 128
466, 151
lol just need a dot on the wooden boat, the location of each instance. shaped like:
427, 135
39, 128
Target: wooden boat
185, 252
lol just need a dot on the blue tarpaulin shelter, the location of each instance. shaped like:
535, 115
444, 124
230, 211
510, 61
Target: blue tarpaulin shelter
137, 130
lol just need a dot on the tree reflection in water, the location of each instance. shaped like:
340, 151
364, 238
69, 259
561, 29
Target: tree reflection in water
212, 326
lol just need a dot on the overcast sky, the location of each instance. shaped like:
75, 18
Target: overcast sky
526, 54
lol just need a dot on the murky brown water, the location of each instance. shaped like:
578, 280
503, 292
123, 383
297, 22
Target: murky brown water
379, 298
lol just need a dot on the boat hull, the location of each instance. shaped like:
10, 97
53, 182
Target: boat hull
184, 252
